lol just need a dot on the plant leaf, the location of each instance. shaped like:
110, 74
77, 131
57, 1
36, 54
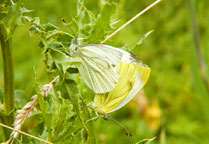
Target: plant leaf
146, 141
102, 24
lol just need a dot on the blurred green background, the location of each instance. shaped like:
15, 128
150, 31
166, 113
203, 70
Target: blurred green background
174, 105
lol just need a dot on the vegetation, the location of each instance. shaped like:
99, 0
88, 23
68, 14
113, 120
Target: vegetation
172, 38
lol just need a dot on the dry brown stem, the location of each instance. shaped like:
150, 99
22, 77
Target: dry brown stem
28, 108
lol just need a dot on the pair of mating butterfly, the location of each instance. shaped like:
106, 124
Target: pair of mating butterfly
115, 75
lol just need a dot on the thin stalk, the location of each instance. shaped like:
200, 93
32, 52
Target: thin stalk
8, 78
37, 138
196, 37
131, 20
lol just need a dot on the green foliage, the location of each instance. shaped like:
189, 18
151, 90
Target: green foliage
40, 45
145, 141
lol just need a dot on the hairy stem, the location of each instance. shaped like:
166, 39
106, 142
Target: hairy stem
8, 78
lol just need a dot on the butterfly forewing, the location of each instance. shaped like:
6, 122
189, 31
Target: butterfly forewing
99, 66
98, 79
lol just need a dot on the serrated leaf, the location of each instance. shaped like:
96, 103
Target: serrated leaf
4, 8
70, 75
36, 21
70, 64
64, 38
13, 17
85, 20
63, 118
73, 92
2, 17
74, 95
70, 132
57, 55
60, 36
103, 23
144, 37
24, 10
65, 62
49, 27
34, 29
146, 141
57, 46
85, 90
26, 19
20, 99
47, 116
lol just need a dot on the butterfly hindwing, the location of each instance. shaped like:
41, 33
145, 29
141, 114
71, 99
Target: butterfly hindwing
142, 76
133, 78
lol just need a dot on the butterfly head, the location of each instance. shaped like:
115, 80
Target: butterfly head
74, 48
96, 108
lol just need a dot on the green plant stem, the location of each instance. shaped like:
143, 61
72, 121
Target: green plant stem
196, 37
8, 78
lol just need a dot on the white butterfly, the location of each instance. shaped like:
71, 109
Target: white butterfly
99, 64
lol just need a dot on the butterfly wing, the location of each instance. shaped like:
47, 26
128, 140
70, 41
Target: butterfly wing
133, 78
99, 66
142, 76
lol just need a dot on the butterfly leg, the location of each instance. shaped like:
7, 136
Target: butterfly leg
122, 126
94, 118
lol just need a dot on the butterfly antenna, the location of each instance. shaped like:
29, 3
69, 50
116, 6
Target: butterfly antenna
37, 138
131, 20
68, 25
125, 129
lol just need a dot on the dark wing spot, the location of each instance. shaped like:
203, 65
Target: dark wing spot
113, 65
135, 57
106, 94
130, 85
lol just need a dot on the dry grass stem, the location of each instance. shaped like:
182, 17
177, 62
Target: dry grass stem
131, 20
28, 108
23, 114
11, 138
